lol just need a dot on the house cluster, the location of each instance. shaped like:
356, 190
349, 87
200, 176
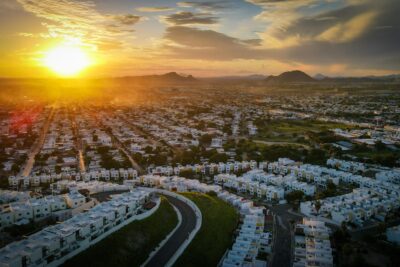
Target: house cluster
391, 176
124, 132
58, 150
251, 128
54, 244
264, 185
92, 187
173, 183
252, 238
345, 165
36, 209
342, 108
321, 175
168, 128
370, 136
60, 136
182, 126
235, 123
312, 246
8, 196
100, 174
89, 132
208, 168
18, 132
356, 207
305, 172
22, 119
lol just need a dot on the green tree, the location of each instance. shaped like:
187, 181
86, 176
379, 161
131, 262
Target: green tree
294, 196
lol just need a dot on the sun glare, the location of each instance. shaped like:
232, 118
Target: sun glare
66, 60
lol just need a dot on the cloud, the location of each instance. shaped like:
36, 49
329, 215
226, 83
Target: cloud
207, 5
127, 19
70, 19
187, 42
6, 5
154, 9
265, 2
189, 18
278, 17
348, 31
368, 37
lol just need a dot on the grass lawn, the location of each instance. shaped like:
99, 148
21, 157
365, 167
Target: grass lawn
290, 130
131, 245
215, 235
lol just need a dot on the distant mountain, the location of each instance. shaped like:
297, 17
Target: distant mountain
170, 77
173, 76
295, 76
356, 80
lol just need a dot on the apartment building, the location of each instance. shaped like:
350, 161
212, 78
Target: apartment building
356, 207
251, 238
35, 209
312, 246
54, 244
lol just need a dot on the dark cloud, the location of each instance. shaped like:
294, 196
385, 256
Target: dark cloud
314, 25
128, 19
190, 42
154, 9
260, 2
376, 47
187, 18
207, 5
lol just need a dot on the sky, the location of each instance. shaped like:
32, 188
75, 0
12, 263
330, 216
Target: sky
204, 38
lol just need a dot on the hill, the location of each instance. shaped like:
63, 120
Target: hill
295, 76
170, 78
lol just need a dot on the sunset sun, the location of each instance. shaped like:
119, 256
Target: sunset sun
66, 60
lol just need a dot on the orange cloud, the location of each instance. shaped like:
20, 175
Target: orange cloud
348, 31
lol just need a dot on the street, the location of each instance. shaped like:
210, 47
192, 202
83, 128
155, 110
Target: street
282, 242
188, 224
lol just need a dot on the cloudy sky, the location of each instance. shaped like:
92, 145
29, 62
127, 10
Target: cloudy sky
204, 38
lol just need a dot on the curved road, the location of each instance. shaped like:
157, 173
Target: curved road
188, 224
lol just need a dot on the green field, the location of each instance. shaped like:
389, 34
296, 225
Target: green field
216, 233
131, 245
291, 130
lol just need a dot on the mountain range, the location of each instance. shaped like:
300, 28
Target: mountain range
295, 76
170, 77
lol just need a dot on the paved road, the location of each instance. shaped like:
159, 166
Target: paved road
37, 146
118, 144
78, 142
282, 246
188, 224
